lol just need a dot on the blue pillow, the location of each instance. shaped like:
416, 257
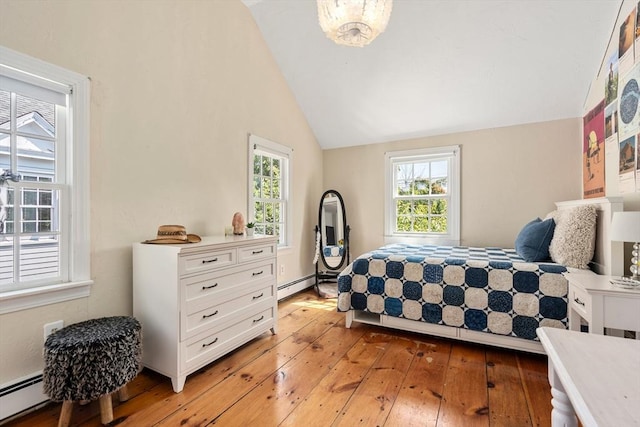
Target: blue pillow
532, 243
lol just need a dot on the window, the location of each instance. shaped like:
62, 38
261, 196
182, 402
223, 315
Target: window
37, 207
269, 203
423, 195
44, 178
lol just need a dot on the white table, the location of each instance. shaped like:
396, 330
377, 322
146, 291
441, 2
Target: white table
595, 377
593, 298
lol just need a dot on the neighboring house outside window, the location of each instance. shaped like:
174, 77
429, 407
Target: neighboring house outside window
269, 203
422, 202
44, 203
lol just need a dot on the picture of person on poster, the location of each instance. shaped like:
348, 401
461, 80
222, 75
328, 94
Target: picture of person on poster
611, 89
593, 153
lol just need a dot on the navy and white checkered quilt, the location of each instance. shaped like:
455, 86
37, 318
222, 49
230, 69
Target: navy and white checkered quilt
483, 289
329, 251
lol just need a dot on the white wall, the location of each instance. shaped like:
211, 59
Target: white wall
595, 95
509, 176
176, 86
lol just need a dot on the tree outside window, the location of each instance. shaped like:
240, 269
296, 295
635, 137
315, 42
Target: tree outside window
422, 195
269, 192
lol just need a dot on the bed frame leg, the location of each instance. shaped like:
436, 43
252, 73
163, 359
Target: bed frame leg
348, 319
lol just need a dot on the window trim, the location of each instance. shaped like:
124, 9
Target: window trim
452, 237
19, 66
258, 143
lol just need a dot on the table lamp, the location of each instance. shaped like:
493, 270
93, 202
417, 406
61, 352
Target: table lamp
625, 227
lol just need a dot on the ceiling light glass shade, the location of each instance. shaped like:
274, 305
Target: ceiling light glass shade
354, 22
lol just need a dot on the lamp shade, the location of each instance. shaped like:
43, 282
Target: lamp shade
354, 22
625, 226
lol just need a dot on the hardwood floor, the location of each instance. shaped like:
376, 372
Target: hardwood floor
315, 372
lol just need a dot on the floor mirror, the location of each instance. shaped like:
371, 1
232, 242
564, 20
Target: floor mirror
332, 243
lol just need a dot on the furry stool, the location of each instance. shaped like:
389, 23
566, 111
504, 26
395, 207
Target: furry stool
90, 360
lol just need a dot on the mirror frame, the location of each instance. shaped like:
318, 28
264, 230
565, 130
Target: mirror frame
345, 231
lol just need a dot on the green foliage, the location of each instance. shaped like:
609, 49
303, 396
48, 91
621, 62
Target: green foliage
421, 215
267, 188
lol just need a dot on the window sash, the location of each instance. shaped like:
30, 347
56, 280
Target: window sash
262, 147
450, 196
33, 252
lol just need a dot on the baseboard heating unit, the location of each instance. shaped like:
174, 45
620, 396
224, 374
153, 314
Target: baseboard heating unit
20, 395
290, 288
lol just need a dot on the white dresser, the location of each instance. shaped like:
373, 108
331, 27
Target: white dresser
197, 302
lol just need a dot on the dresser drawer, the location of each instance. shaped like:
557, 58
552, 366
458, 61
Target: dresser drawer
225, 313
622, 312
214, 288
580, 300
256, 252
206, 261
204, 348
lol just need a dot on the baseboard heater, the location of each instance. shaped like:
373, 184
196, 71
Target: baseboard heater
20, 395
290, 288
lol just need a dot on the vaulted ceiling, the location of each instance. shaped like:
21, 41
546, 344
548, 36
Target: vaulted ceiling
442, 66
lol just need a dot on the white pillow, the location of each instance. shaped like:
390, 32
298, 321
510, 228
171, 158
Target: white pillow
574, 238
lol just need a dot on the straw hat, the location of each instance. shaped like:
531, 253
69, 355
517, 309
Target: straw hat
168, 234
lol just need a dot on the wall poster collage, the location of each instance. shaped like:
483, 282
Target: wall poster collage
613, 126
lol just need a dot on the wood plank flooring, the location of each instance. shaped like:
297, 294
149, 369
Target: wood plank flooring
315, 372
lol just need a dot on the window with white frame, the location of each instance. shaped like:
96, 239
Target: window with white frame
269, 202
423, 195
44, 210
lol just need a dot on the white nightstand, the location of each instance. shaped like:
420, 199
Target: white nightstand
593, 298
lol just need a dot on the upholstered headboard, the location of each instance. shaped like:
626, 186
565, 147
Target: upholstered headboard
609, 255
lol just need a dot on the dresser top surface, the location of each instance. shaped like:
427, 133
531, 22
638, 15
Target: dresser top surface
208, 241
594, 283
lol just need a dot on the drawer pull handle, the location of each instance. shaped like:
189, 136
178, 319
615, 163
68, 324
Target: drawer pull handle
577, 300
211, 343
204, 288
207, 261
257, 320
205, 316
258, 273
257, 252
259, 296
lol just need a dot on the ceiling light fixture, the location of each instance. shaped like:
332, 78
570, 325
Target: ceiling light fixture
354, 22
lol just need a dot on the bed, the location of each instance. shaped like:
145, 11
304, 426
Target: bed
485, 295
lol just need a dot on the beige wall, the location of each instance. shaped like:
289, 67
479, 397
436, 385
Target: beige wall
509, 176
176, 86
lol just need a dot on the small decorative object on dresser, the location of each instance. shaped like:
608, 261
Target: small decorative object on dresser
198, 302
170, 234
250, 228
238, 224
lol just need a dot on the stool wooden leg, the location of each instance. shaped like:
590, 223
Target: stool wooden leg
123, 393
106, 410
65, 413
